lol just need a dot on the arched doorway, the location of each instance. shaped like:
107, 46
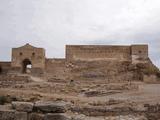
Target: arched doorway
27, 65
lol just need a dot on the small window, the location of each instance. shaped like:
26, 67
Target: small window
33, 54
20, 53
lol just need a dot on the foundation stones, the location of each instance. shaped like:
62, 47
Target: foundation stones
22, 106
53, 107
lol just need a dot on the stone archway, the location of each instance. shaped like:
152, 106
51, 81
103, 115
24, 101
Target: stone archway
26, 66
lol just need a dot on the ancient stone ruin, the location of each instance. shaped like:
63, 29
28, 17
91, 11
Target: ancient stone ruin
92, 82
106, 62
58, 111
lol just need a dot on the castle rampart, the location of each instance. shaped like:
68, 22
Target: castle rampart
30, 59
105, 52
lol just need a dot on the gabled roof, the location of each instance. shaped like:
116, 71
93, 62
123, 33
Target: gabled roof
27, 46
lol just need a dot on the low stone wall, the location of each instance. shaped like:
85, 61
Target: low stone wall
5, 67
9, 80
149, 112
34, 111
41, 110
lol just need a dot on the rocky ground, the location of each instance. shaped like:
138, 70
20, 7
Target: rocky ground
85, 100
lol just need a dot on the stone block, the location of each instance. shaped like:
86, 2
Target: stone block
50, 107
20, 116
56, 116
35, 116
7, 115
22, 106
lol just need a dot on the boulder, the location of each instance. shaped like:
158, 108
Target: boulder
22, 106
50, 107
56, 116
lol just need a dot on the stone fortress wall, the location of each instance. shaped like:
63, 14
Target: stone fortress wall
30, 55
55, 68
105, 52
5, 67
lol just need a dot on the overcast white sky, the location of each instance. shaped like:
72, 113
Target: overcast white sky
53, 23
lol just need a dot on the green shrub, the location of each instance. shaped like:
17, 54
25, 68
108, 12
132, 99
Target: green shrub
3, 100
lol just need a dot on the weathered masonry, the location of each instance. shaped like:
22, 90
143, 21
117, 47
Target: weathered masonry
104, 52
30, 59
28, 55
